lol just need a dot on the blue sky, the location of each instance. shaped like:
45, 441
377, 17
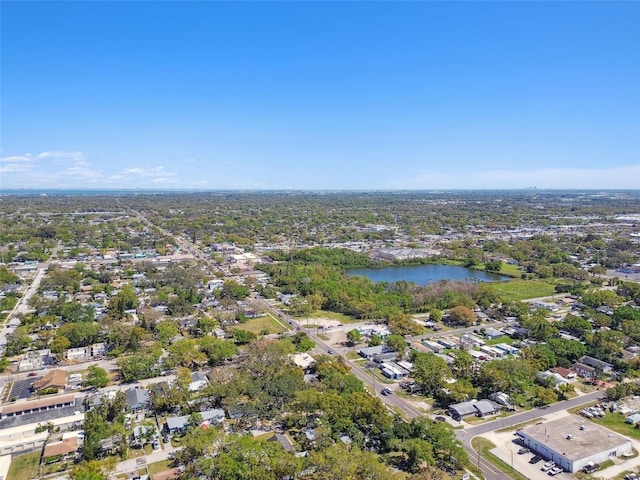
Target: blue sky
326, 95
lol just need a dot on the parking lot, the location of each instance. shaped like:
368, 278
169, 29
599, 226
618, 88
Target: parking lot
22, 388
507, 450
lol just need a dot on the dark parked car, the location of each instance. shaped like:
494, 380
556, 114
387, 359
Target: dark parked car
591, 467
535, 459
441, 419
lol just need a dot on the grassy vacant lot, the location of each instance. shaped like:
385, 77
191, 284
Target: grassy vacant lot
158, 467
516, 290
616, 422
24, 467
483, 446
510, 270
505, 339
340, 317
268, 322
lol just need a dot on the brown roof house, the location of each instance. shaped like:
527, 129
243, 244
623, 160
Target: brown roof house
57, 450
55, 379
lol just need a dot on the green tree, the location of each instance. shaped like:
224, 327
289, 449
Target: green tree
60, 344
96, 377
75, 312
577, 326
545, 396
463, 364
462, 315
354, 336
233, 290
493, 266
126, 299
166, 330
346, 464
396, 343
217, 350
243, 337
430, 371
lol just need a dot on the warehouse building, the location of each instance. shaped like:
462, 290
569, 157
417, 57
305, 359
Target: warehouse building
572, 442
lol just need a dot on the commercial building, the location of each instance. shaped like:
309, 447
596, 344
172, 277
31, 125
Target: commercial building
480, 408
36, 406
572, 442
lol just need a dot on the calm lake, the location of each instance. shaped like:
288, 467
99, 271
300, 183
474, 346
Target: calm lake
425, 274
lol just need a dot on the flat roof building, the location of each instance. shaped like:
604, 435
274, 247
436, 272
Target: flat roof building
572, 442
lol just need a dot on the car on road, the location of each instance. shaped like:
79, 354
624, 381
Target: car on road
330, 352
32, 374
386, 391
440, 418
523, 450
535, 459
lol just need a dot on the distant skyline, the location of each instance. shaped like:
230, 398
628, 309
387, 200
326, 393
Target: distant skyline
319, 95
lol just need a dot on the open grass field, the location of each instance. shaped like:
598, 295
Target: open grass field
516, 290
268, 323
24, 467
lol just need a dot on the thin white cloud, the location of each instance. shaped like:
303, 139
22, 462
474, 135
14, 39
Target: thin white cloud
622, 177
72, 169
76, 157
17, 159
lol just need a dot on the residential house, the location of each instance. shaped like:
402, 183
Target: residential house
34, 360
79, 353
137, 399
198, 381
305, 361
58, 450
370, 352
393, 370
141, 435
433, 346
585, 371
564, 372
595, 363
98, 349
181, 424
492, 333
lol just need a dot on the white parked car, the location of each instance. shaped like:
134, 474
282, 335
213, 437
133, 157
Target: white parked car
548, 466
555, 471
